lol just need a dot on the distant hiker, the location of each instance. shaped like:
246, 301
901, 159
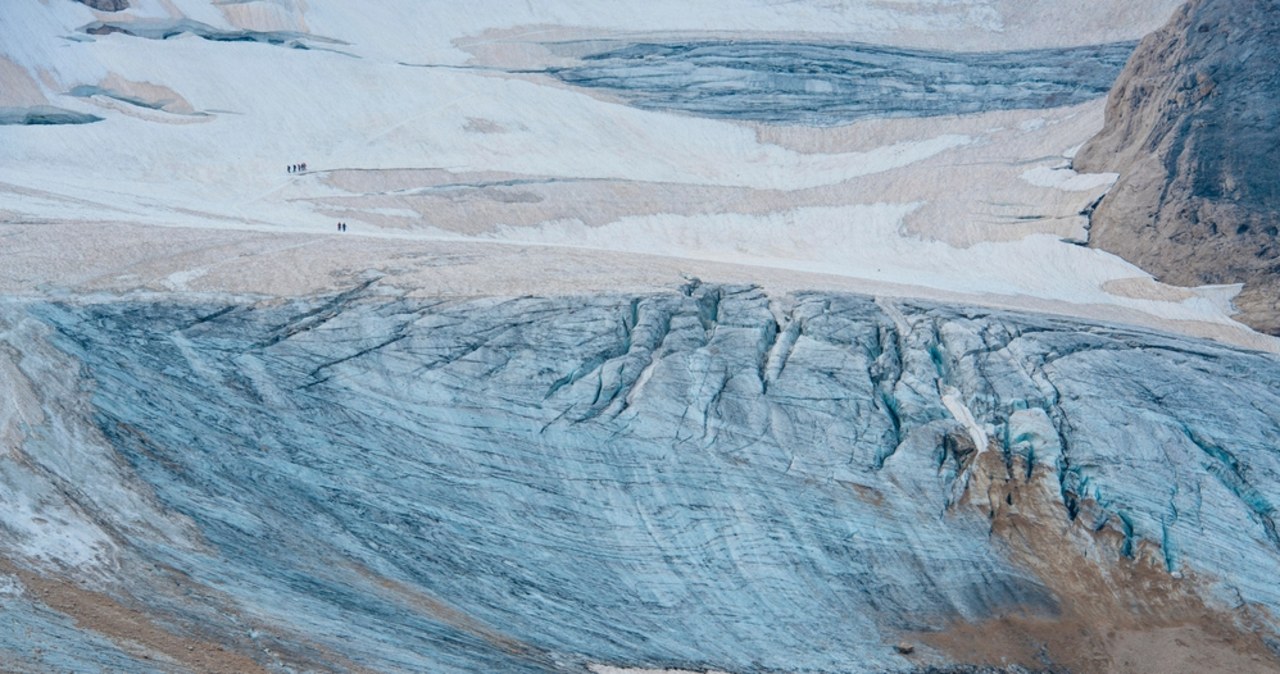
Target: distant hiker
339, 226
304, 166
344, 226
289, 168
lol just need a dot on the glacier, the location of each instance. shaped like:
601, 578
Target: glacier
712, 477
904, 423
819, 84
203, 105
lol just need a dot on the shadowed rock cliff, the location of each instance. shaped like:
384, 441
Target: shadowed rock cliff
1192, 129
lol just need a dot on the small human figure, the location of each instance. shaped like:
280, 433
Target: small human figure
289, 168
304, 166
339, 226
344, 226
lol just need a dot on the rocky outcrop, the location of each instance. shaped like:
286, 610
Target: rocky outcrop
106, 5
1193, 127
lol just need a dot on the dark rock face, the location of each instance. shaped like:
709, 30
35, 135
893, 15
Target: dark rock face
1192, 127
106, 5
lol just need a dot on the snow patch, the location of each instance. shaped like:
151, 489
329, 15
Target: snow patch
178, 280
1067, 179
953, 400
45, 529
10, 587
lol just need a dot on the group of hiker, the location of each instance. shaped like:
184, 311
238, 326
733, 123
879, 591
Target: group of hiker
302, 167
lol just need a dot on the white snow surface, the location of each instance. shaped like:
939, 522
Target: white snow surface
1067, 179
953, 400
900, 202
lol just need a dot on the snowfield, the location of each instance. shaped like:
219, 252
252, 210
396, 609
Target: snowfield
428, 122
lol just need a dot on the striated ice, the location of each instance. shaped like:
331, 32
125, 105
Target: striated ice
705, 479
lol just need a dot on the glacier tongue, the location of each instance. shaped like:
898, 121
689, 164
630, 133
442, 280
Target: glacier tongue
703, 479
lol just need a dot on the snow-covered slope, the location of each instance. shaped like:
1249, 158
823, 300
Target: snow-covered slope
425, 120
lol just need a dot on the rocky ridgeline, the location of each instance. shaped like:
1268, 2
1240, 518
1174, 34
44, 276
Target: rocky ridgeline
705, 479
1193, 127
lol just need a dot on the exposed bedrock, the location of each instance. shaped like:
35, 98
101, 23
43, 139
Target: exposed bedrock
1193, 127
710, 478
